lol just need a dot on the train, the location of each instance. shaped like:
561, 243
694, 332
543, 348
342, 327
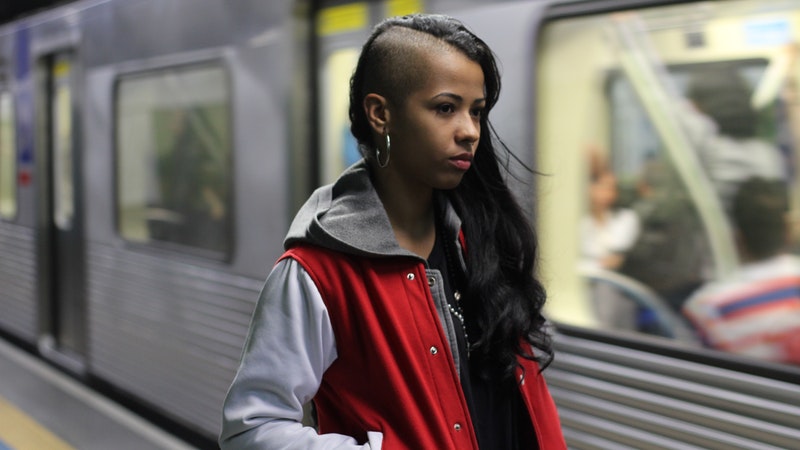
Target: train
154, 152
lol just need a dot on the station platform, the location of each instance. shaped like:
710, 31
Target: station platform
41, 408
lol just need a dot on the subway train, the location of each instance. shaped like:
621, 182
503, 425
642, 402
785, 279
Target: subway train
153, 154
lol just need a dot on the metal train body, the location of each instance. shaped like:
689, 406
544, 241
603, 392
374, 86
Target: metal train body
104, 274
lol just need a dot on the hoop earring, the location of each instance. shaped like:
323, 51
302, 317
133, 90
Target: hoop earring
383, 165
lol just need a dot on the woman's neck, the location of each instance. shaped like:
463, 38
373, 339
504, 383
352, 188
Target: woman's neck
411, 213
600, 214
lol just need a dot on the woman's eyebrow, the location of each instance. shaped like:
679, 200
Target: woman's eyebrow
457, 97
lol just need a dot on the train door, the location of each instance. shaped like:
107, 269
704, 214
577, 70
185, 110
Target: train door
61, 260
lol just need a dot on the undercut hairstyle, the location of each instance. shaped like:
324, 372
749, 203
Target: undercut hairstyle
759, 212
397, 63
503, 296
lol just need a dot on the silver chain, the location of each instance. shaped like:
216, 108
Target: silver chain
460, 316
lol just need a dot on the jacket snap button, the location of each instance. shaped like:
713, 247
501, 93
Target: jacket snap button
457, 427
434, 350
431, 281
410, 277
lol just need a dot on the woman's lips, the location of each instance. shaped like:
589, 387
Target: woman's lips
462, 162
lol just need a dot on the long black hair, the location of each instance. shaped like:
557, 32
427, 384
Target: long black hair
502, 295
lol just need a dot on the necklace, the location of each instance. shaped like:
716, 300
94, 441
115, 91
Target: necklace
459, 314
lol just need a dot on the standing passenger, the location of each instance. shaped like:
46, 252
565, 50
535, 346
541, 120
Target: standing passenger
723, 126
405, 306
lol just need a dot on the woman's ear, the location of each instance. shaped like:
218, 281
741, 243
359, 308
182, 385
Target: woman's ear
376, 108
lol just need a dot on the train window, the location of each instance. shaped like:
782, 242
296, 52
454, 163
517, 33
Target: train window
8, 160
672, 136
173, 149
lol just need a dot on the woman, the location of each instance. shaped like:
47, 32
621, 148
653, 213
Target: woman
607, 231
405, 305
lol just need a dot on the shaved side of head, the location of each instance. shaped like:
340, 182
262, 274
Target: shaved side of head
400, 57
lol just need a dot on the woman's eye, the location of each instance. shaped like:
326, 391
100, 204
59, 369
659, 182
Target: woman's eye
446, 108
477, 112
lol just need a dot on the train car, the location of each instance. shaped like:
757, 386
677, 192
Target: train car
147, 162
153, 153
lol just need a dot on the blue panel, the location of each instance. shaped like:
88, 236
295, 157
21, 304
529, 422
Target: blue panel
24, 97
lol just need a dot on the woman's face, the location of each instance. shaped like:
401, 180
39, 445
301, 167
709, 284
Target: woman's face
603, 191
435, 132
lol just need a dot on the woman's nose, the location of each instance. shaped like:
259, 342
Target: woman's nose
469, 130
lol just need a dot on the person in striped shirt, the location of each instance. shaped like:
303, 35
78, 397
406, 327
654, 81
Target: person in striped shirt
755, 311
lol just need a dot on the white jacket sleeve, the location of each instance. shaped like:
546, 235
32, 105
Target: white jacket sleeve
289, 347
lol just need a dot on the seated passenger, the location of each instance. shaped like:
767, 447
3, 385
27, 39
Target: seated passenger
607, 232
756, 310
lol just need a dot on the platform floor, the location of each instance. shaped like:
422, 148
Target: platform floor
44, 409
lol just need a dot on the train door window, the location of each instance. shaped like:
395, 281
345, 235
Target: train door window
8, 159
671, 134
340, 29
62, 142
173, 158
340, 148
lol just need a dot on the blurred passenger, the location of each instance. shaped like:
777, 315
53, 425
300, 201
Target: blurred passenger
671, 254
405, 306
192, 183
607, 231
725, 132
789, 107
755, 311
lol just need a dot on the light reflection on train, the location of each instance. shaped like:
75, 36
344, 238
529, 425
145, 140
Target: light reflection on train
152, 157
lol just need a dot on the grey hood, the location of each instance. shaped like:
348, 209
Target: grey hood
346, 216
